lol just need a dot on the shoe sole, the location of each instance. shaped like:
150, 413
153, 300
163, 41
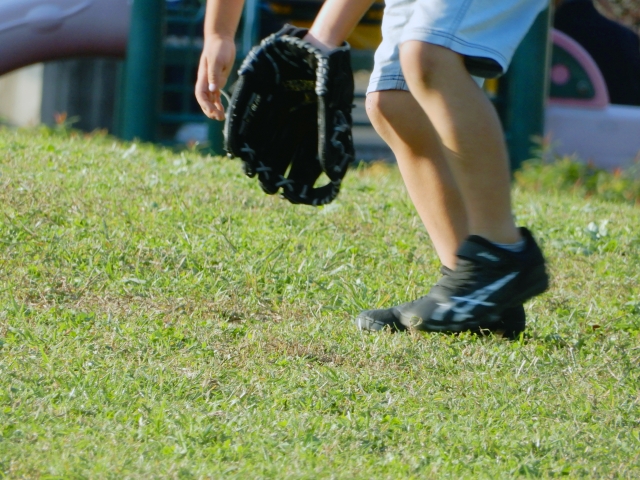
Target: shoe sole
510, 324
507, 328
540, 285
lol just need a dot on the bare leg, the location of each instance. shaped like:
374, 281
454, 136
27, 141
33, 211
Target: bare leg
423, 163
400, 121
471, 133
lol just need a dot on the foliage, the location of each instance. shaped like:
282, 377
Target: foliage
582, 178
626, 11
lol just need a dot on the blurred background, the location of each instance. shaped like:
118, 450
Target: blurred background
86, 92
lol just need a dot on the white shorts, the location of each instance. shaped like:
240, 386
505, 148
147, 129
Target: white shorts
486, 32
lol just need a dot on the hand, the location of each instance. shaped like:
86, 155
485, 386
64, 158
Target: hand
216, 62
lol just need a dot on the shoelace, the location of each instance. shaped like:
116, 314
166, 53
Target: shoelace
453, 279
464, 274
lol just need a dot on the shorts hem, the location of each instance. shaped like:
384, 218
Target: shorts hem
387, 82
455, 43
394, 82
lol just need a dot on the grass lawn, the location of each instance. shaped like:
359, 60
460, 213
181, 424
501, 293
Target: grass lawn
160, 317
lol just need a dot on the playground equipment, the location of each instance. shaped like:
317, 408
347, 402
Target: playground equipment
143, 71
579, 118
522, 92
33, 31
161, 68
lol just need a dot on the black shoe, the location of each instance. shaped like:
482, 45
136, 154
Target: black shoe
510, 324
487, 281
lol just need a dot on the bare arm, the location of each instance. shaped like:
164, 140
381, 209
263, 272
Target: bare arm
335, 22
222, 18
218, 54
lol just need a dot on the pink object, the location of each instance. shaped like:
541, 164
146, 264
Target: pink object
560, 74
610, 138
593, 130
33, 31
601, 99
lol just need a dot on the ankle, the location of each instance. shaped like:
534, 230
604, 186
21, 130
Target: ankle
505, 235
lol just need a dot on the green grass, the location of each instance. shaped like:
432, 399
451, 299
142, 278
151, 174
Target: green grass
567, 173
160, 317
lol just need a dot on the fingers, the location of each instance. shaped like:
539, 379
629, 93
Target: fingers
217, 79
216, 62
208, 95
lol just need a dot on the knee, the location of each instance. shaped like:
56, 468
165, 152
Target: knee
426, 63
382, 109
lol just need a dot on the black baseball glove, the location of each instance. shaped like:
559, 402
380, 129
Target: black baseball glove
289, 117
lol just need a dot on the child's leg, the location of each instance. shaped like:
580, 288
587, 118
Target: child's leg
400, 121
470, 130
458, 129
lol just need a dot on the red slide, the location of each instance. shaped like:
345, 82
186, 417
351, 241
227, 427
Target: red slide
33, 31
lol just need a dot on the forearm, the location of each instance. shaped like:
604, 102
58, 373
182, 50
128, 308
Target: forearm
222, 18
337, 19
